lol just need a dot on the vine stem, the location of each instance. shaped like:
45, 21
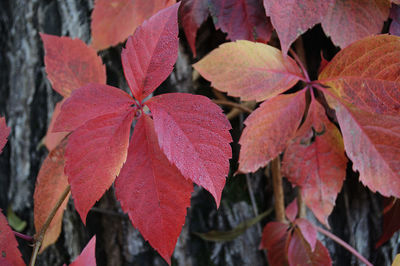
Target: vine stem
39, 237
233, 104
344, 244
278, 190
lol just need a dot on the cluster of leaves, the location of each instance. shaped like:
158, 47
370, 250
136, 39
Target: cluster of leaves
181, 138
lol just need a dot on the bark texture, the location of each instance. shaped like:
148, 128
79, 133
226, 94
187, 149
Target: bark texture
27, 100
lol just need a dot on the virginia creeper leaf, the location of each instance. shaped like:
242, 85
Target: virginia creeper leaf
89, 102
274, 240
114, 20
254, 71
390, 222
292, 210
152, 190
395, 16
192, 13
50, 184
241, 19
71, 64
360, 18
10, 254
151, 52
372, 142
269, 129
88, 256
94, 156
366, 74
316, 162
299, 252
291, 18
4, 132
194, 135
52, 139
308, 231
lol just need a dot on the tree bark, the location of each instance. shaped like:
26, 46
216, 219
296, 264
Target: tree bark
28, 101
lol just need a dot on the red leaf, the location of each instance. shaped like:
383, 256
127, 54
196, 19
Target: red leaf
71, 64
372, 142
241, 19
52, 139
194, 135
151, 52
88, 256
152, 190
94, 156
291, 18
192, 13
316, 162
269, 129
254, 71
395, 16
291, 210
308, 231
390, 223
366, 74
360, 18
90, 102
299, 252
9, 255
4, 132
274, 240
50, 184
114, 20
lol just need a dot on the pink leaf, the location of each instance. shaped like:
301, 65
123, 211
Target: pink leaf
9, 252
359, 19
291, 18
114, 20
194, 135
152, 190
90, 102
151, 52
241, 19
71, 64
269, 129
274, 240
94, 156
316, 162
291, 210
88, 256
4, 132
308, 231
192, 13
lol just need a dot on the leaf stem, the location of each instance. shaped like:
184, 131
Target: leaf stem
233, 104
303, 68
39, 237
278, 190
23, 236
344, 244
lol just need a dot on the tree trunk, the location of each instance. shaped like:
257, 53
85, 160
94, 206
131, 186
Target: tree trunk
28, 101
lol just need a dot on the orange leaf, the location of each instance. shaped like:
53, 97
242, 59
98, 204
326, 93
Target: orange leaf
252, 71
372, 142
71, 64
269, 129
358, 19
50, 184
366, 74
114, 20
316, 162
52, 139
